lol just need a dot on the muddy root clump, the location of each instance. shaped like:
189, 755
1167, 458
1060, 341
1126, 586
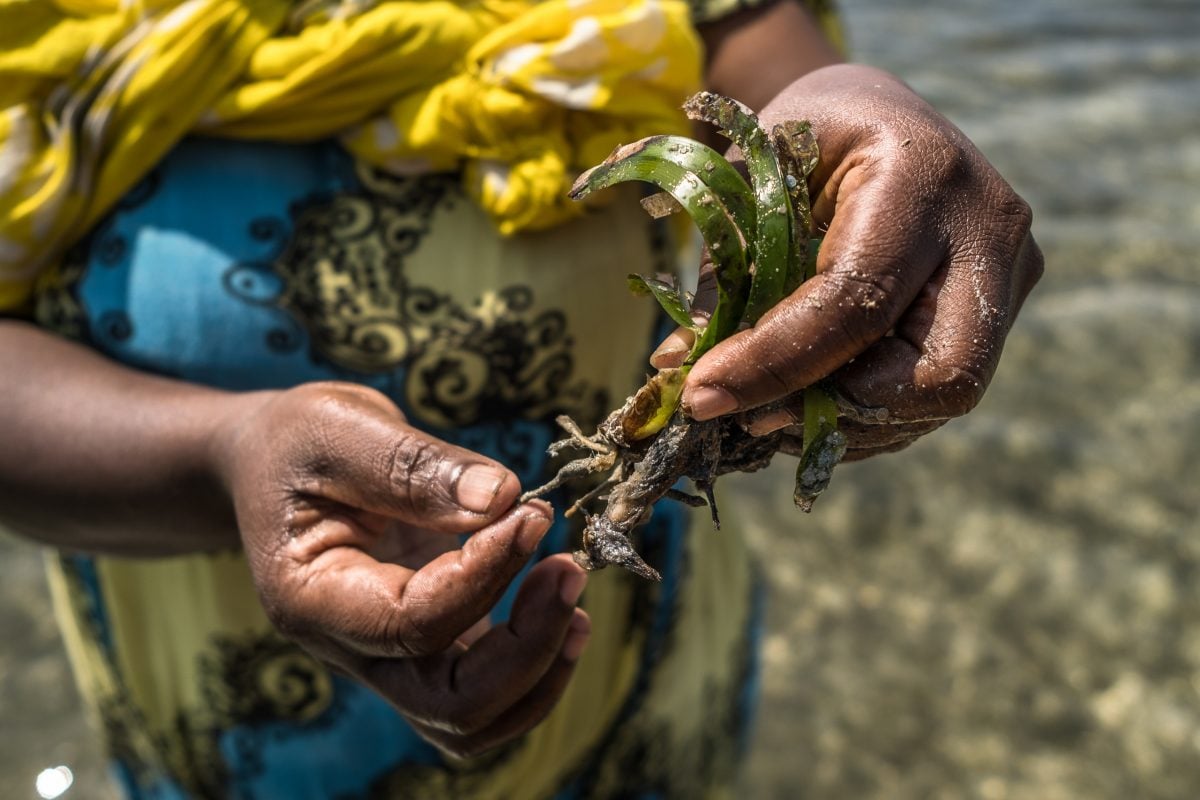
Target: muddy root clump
637, 474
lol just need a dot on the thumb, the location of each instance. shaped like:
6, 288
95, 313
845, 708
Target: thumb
370, 458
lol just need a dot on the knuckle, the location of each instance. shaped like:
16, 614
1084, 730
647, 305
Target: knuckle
413, 633
328, 406
330, 410
948, 164
770, 376
328, 398
1006, 219
959, 389
413, 462
326, 413
932, 155
1016, 213
873, 290
963, 163
867, 298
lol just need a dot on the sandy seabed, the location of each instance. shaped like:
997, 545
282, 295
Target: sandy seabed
1008, 609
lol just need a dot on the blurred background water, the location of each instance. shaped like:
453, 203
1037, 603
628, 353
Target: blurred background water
1010, 608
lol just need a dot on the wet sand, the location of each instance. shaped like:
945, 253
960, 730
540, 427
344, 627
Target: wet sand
1009, 608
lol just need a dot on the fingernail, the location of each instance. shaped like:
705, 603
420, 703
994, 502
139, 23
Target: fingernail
577, 638
706, 402
478, 486
572, 587
533, 528
674, 346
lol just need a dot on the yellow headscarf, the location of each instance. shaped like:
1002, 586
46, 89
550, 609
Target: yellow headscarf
93, 93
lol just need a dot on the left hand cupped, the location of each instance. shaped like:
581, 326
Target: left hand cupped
926, 259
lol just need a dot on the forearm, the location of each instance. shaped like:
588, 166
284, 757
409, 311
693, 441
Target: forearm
101, 458
753, 55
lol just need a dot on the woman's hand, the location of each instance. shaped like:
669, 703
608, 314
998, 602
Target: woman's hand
349, 517
350, 520
926, 260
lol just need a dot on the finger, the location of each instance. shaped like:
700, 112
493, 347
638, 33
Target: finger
475, 632
368, 457
675, 348
532, 637
864, 437
775, 416
789, 411
947, 345
871, 265
788, 415
1031, 265
705, 297
860, 436
402, 543
494, 674
531, 709
335, 590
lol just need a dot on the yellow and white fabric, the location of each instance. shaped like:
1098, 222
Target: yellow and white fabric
516, 94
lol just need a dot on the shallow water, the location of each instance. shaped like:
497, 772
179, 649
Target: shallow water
1009, 608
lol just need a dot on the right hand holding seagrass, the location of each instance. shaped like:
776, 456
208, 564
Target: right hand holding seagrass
926, 260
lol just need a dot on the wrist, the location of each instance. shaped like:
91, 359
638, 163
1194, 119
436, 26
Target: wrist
753, 55
101, 458
230, 419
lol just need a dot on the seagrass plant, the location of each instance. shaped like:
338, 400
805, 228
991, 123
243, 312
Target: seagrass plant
761, 242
